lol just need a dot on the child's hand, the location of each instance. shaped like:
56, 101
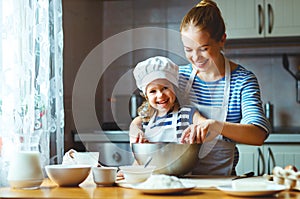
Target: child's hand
136, 134
140, 138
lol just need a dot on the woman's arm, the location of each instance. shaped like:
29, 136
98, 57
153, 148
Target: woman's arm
241, 133
253, 128
244, 133
208, 129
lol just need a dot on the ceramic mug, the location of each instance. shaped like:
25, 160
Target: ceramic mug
104, 176
25, 170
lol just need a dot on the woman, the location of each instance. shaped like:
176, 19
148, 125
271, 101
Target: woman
223, 91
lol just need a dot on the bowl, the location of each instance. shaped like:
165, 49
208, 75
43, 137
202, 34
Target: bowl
168, 158
68, 175
136, 173
104, 176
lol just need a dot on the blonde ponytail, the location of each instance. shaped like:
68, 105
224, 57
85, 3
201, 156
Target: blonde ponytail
205, 16
206, 3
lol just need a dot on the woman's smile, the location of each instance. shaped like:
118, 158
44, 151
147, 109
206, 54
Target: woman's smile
200, 64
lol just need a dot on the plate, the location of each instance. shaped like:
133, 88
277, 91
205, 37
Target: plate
124, 184
268, 190
166, 191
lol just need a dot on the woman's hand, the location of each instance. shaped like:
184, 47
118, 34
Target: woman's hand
204, 131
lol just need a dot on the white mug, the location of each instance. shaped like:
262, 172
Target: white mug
104, 176
25, 170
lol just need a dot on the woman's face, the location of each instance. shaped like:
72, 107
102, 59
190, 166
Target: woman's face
161, 95
200, 49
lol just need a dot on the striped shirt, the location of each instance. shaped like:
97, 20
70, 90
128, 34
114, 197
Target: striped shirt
184, 119
245, 104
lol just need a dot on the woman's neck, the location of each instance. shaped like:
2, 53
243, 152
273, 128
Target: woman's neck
210, 76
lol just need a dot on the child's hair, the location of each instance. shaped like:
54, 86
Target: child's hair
145, 111
205, 16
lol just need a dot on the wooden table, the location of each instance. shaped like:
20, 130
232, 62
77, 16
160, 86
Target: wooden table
89, 190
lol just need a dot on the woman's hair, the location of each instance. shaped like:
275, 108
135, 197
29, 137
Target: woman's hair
205, 16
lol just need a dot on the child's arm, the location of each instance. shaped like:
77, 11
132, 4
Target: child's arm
136, 135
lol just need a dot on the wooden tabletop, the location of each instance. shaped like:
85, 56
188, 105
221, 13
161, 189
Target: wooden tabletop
89, 190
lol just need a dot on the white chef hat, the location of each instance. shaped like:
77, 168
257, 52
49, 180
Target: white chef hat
155, 68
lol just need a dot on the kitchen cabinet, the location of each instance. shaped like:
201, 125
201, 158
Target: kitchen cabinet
262, 159
260, 18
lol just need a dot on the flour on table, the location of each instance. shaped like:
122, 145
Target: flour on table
161, 181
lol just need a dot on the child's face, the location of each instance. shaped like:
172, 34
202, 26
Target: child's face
161, 95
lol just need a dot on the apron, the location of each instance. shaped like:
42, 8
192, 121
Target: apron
216, 156
162, 133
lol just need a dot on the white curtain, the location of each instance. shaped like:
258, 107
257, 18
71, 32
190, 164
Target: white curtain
31, 72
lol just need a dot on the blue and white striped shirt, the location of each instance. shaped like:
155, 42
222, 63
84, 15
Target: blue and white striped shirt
244, 106
184, 119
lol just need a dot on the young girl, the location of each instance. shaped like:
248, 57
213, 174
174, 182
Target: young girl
161, 118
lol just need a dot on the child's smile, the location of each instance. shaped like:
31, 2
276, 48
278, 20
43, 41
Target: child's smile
161, 95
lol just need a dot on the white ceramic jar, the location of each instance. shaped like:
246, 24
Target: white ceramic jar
25, 170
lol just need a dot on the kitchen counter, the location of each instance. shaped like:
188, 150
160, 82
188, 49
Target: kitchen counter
89, 190
102, 136
283, 138
286, 130
280, 135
